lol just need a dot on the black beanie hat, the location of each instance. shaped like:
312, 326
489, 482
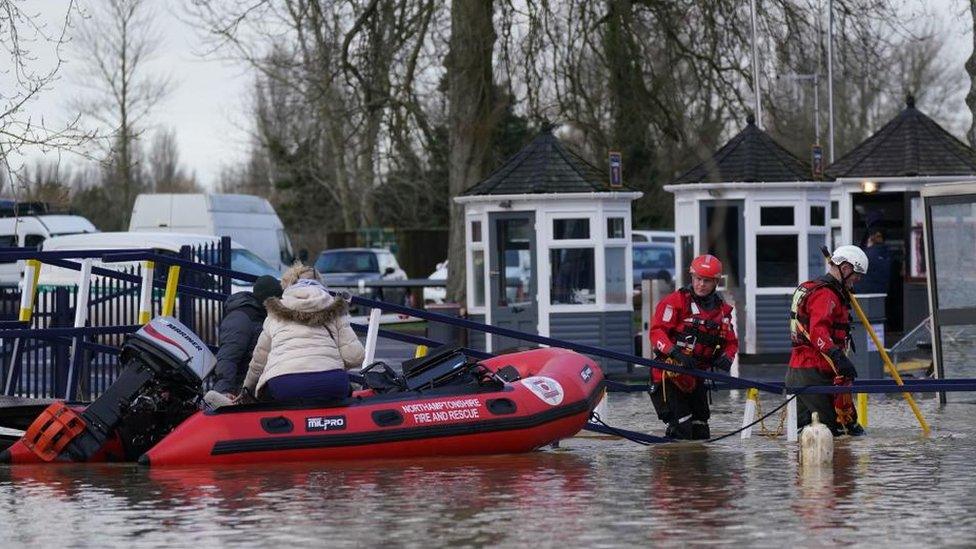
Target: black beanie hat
266, 286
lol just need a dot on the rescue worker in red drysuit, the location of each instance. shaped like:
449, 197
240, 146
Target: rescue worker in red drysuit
820, 329
692, 328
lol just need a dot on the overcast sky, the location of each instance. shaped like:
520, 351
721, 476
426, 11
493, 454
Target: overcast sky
208, 107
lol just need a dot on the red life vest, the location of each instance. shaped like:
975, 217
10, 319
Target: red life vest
702, 333
840, 328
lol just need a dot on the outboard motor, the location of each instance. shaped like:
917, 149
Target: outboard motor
163, 367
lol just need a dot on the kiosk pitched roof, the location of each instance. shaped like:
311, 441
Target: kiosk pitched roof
911, 144
749, 157
543, 166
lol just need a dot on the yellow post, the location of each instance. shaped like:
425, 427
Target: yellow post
887, 361
169, 298
146, 292
31, 273
862, 409
421, 351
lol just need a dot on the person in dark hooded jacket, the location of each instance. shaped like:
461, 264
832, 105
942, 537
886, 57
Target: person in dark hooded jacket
244, 315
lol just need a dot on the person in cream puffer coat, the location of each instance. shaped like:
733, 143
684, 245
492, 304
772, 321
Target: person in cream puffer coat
305, 347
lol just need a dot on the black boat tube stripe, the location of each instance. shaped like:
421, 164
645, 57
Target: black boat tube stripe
307, 442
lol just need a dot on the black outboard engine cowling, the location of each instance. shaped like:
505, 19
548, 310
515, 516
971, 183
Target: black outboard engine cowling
163, 367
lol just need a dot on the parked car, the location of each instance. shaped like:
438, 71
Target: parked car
115, 312
655, 258
31, 231
437, 295
345, 267
249, 220
241, 259
518, 274
652, 236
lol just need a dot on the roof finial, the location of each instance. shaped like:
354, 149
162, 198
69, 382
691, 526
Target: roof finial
751, 119
547, 126
910, 101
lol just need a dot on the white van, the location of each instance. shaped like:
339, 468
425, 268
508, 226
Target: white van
32, 230
241, 259
249, 220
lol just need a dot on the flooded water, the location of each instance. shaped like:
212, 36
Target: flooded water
892, 487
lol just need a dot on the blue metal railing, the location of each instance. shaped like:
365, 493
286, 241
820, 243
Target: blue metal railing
59, 259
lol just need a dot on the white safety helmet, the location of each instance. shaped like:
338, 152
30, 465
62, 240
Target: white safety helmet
853, 255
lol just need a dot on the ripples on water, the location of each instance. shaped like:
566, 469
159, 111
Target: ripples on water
892, 487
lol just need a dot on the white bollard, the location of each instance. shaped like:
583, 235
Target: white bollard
372, 333
816, 444
750, 412
791, 419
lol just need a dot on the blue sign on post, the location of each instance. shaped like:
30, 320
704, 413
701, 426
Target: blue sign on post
616, 170
817, 162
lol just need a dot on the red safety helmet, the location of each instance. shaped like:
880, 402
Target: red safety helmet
706, 266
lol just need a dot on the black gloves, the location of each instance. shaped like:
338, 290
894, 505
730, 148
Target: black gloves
683, 360
843, 364
722, 362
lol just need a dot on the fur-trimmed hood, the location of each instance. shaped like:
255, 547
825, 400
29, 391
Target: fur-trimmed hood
307, 305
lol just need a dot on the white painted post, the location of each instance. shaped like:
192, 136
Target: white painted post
84, 287
602, 408
372, 333
647, 308
734, 371
31, 268
81, 317
145, 292
791, 434
750, 412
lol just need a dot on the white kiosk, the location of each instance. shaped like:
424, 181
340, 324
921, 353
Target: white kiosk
879, 183
549, 251
754, 206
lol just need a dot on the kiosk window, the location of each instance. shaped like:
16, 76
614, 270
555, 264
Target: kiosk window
478, 266
615, 227
777, 261
818, 216
776, 215
573, 279
570, 229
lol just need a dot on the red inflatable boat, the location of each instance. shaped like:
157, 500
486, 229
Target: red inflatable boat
546, 395
441, 405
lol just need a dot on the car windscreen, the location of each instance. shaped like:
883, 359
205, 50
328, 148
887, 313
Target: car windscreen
347, 262
653, 257
246, 262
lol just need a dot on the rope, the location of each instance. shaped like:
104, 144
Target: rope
737, 431
646, 440
640, 438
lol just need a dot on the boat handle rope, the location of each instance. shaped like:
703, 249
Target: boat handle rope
645, 439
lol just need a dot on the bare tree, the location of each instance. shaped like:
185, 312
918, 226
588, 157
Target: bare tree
114, 45
971, 71
353, 68
49, 182
470, 78
27, 39
165, 175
